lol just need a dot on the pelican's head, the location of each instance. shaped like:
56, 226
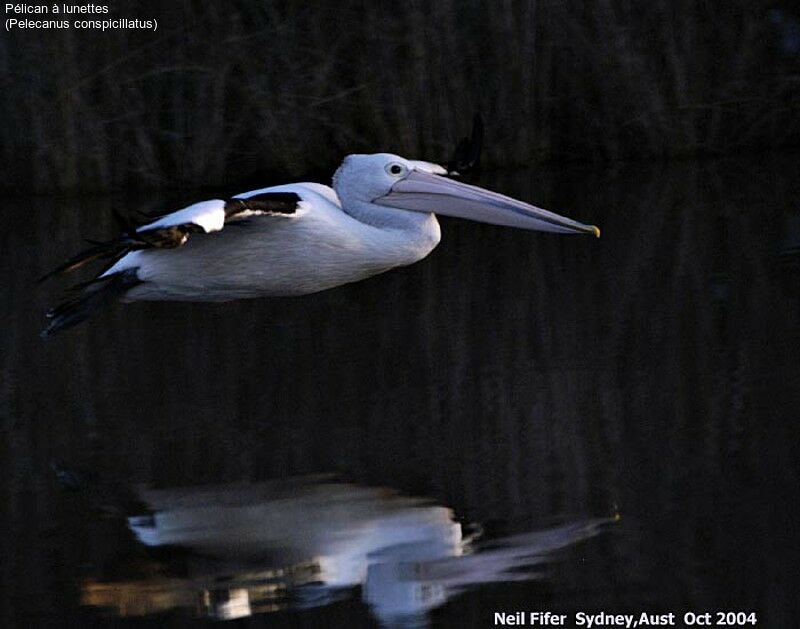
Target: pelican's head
394, 182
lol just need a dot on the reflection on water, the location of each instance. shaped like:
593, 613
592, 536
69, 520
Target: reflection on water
521, 379
262, 547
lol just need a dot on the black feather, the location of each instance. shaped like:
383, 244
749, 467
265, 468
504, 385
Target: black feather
98, 251
132, 239
267, 202
467, 156
92, 296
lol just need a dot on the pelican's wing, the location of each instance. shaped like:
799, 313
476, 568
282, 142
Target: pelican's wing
467, 156
167, 232
173, 230
465, 159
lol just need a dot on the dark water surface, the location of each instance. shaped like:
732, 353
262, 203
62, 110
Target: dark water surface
523, 380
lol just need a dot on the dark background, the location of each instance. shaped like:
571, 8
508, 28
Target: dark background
522, 379
223, 93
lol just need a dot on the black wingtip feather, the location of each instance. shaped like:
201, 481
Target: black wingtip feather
467, 156
98, 251
93, 295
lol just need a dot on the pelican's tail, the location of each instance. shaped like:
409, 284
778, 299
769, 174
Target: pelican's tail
87, 297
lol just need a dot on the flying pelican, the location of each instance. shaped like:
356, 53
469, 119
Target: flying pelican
294, 239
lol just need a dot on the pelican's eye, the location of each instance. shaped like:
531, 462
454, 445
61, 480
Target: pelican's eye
396, 169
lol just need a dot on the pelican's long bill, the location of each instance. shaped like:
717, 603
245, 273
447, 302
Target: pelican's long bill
426, 192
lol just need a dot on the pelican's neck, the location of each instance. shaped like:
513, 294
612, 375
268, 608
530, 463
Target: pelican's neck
410, 235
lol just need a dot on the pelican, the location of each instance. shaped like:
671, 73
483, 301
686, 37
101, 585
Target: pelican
294, 239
